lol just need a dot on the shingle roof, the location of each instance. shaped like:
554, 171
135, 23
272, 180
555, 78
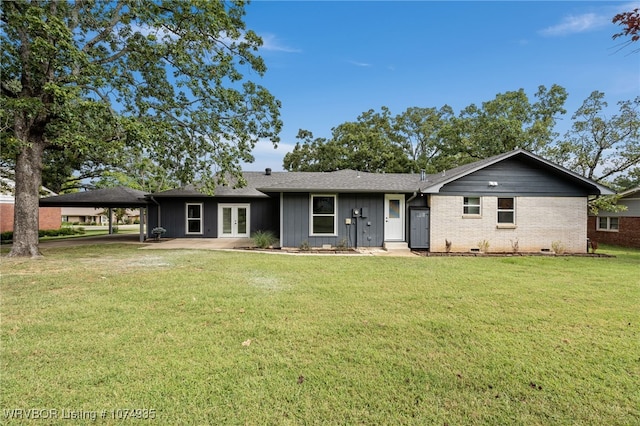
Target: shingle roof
259, 183
106, 197
343, 181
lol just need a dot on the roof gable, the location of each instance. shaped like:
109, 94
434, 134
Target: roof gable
540, 174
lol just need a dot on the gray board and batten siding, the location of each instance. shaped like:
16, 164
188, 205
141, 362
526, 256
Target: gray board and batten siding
363, 232
264, 215
515, 176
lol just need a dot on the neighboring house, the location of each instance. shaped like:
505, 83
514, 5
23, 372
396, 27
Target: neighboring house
84, 215
618, 228
96, 216
513, 200
49, 217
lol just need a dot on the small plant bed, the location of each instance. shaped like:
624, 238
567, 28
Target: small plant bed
506, 254
296, 250
321, 251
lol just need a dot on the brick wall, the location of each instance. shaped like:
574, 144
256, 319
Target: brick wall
50, 217
628, 234
6, 217
540, 221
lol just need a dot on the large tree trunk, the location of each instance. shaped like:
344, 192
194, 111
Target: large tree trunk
28, 178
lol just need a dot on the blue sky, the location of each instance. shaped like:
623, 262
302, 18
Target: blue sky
330, 61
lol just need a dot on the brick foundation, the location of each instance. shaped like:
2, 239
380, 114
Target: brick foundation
628, 234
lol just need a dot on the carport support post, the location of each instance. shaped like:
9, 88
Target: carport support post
143, 213
110, 221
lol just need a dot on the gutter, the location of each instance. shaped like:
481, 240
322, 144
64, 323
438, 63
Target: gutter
157, 204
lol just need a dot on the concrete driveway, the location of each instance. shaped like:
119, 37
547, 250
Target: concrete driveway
97, 239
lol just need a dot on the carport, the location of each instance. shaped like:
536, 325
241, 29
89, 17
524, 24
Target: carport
109, 198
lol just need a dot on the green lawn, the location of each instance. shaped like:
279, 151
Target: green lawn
203, 337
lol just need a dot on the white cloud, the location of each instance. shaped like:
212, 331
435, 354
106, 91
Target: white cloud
577, 24
597, 18
271, 43
360, 64
147, 30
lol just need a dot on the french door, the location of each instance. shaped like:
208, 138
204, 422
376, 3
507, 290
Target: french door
233, 220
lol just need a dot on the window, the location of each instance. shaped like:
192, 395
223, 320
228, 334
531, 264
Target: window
194, 218
471, 206
323, 215
394, 209
506, 211
608, 223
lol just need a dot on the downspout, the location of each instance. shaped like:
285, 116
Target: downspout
157, 204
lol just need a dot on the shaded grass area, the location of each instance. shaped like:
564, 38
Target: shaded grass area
250, 338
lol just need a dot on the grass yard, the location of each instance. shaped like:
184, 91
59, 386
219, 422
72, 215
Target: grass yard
201, 337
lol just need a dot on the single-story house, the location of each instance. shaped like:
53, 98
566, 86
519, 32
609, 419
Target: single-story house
618, 228
96, 216
84, 215
513, 201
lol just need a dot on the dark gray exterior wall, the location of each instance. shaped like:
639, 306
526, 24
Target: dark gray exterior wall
363, 232
264, 215
366, 232
516, 177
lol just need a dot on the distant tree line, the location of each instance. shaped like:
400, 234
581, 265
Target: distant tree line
601, 146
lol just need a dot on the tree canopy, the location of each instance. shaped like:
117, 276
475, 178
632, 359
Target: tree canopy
164, 79
599, 146
433, 139
630, 23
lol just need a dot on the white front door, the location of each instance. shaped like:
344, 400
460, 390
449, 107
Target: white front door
394, 217
233, 220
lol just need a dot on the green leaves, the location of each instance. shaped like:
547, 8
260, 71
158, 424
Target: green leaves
433, 139
507, 122
162, 79
176, 65
601, 146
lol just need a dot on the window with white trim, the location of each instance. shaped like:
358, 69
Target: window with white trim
608, 223
506, 211
194, 218
323, 214
471, 206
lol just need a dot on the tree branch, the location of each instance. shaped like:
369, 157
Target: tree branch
107, 30
112, 58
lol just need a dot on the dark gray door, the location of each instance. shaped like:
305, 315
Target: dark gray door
419, 223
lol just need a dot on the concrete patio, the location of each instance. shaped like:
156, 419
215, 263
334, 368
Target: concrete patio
212, 244
198, 243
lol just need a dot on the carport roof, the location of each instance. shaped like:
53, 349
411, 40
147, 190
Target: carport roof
106, 197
